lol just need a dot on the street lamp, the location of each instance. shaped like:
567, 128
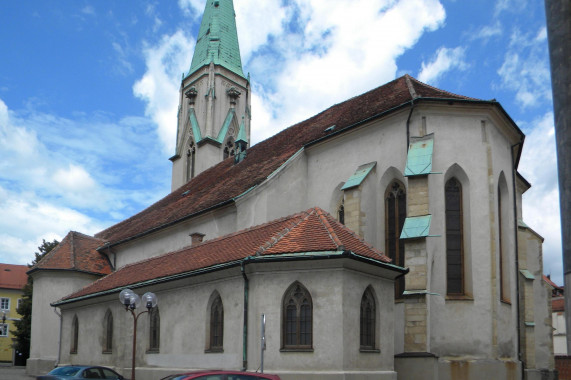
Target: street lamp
131, 301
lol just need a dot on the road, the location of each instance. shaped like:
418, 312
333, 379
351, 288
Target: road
14, 373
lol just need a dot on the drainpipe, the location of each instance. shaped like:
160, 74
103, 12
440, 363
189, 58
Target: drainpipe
60, 334
245, 327
408, 124
520, 143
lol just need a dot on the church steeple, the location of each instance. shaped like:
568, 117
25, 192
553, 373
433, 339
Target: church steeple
218, 38
214, 109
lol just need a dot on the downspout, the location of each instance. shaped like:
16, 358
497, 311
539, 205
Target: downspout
408, 124
520, 143
245, 326
60, 334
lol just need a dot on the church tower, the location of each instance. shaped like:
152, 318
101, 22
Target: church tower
214, 103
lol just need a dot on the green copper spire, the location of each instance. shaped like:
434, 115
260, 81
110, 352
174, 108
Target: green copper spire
218, 38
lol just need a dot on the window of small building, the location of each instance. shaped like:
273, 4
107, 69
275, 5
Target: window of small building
297, 318
74, 335
108, 325
154, 330
395, 215
3, 329
368, 321
4, 303
217, 325
454, 238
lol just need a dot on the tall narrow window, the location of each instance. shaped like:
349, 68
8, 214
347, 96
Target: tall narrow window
108, 323
297, 318
190, 160
454, 238
367, 322
74, 335
395, 215
503, 241
154, 330
341, 212
217, 325
3, 329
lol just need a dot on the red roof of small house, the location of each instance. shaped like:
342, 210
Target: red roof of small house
551, 283
558, 305
76, 252
226, 181
310, 231
13, 276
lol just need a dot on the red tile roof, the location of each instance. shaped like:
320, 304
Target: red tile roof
310, 231
558, 305
226, 181
13, 276
76, 252
551, 283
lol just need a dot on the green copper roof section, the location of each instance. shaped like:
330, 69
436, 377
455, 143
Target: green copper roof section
225, 126
419, 159
359, 176
527, 274
195, 127
242, 133
218, 38
416, 227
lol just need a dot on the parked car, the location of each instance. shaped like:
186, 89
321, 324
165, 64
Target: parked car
221, 375
71, 372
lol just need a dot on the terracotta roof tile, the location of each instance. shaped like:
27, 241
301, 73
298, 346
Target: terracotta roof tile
76, 252
558, 305
310, 231
551, 283
225, 181
13, 276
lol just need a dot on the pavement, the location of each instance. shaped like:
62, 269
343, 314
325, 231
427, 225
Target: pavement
14, 373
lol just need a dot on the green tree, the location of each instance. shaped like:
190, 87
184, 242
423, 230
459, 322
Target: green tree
24, 325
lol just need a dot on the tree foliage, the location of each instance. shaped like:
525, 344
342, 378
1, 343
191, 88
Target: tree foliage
24, 325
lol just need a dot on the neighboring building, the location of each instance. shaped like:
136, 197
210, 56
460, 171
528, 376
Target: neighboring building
12, 280
558, 317
380, 238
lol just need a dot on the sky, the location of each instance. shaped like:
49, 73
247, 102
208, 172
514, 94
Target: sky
89, 93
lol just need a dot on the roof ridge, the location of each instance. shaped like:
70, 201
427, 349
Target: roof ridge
323, 219
277, 237
363, 241
410, 86
413, 79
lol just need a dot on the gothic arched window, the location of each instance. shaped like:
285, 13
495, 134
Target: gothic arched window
217, 325
503, 240
297, 318
190, 160
74, 335
395, 215
108, 325
154, 330
229, 148
341, 212
454, 238
367, 320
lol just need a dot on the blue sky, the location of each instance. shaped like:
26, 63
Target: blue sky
89, 93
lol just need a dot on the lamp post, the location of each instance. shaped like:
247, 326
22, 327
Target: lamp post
131, 301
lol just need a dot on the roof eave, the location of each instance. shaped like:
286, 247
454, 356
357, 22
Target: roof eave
323, 255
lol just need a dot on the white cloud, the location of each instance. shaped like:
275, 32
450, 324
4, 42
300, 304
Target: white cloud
159, 85
443, 61
541, 203
525, 69
311, 54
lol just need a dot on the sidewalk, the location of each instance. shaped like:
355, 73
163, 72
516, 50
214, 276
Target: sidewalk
14, 373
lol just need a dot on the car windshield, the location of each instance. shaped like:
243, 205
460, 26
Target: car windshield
65, 371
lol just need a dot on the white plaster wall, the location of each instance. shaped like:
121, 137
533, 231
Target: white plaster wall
336, 288
559, 336
212, 225
50, 286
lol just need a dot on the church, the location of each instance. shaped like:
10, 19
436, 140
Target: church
379, 239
